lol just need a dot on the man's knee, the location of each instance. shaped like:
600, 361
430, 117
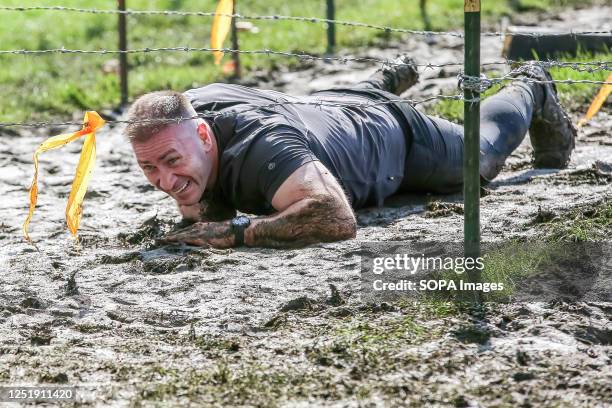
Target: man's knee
490, 167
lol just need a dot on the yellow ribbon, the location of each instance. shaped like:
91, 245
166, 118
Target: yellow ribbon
91, 123
220, 27
598, 102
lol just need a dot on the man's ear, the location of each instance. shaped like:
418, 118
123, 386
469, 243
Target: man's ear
204, 132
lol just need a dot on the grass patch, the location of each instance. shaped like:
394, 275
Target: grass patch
513, 262
56, 86
579, 96
452, 110
592, 223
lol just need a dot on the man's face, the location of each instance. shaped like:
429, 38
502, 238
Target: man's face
177, 160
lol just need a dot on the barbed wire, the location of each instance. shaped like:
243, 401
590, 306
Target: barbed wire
466, 83
585, 66
589, 66
296, 18
315, 20
482, 83
268, 52
228, 112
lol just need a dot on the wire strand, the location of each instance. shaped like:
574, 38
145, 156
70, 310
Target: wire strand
589, 66
228, 112
294, 18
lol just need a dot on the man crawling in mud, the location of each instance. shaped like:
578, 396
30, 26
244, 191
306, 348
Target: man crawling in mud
304, 164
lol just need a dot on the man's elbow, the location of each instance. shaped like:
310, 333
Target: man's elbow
339, 222
348, 228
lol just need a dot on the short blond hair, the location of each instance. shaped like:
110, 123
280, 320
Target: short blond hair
156, 105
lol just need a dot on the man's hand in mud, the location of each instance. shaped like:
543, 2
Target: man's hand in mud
205, 234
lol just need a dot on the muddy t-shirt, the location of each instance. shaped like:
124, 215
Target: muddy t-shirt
263, 140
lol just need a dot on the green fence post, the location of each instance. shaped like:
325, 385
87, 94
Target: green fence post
471, 159
123, 66
331, 27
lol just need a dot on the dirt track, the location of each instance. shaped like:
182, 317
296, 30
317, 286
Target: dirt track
120, 316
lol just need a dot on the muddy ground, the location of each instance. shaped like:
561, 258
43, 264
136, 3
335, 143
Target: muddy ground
134, 324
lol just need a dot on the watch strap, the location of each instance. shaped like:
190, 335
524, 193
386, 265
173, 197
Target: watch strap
238, 225
239, 234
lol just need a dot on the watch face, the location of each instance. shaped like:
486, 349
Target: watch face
241, 221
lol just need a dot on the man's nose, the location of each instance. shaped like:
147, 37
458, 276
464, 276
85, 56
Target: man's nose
167, 181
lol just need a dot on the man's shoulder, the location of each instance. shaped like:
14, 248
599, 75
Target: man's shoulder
266, 124
212, 88
220, 96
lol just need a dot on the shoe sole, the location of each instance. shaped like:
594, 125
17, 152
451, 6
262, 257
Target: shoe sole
561, 123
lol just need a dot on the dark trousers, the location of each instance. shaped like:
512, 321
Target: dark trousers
434, 162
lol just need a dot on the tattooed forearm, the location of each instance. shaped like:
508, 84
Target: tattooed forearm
314, 219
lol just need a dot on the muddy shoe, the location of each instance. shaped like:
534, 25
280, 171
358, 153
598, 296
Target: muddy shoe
551, 132
396, 78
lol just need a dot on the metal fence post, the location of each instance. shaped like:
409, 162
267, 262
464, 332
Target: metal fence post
123, 67
471, 160
331, 27
235, 44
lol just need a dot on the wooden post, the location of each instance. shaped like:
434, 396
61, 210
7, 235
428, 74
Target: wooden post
123, 67
424, 15
235, 45
471, 159
331, 27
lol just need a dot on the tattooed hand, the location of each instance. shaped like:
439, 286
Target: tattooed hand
205, 234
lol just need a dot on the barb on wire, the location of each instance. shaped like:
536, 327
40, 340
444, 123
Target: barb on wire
228, 112
292, 18
474, 84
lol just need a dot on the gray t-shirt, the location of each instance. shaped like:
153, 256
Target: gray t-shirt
263, 140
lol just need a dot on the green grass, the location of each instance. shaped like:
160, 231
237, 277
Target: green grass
514, 261
575, 97
592, 223
510, 263
56, 86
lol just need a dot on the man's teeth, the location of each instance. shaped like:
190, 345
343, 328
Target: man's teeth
180, 190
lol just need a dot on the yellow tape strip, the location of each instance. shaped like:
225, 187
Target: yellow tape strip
91, 123
598, 102
221, 27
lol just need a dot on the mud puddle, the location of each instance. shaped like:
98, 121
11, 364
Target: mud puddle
132, 322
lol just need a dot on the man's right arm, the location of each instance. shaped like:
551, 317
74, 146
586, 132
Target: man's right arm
312, 208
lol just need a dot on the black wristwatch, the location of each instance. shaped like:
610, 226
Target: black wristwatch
239, 224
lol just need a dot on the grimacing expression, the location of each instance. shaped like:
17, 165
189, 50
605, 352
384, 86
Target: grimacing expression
177, 161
